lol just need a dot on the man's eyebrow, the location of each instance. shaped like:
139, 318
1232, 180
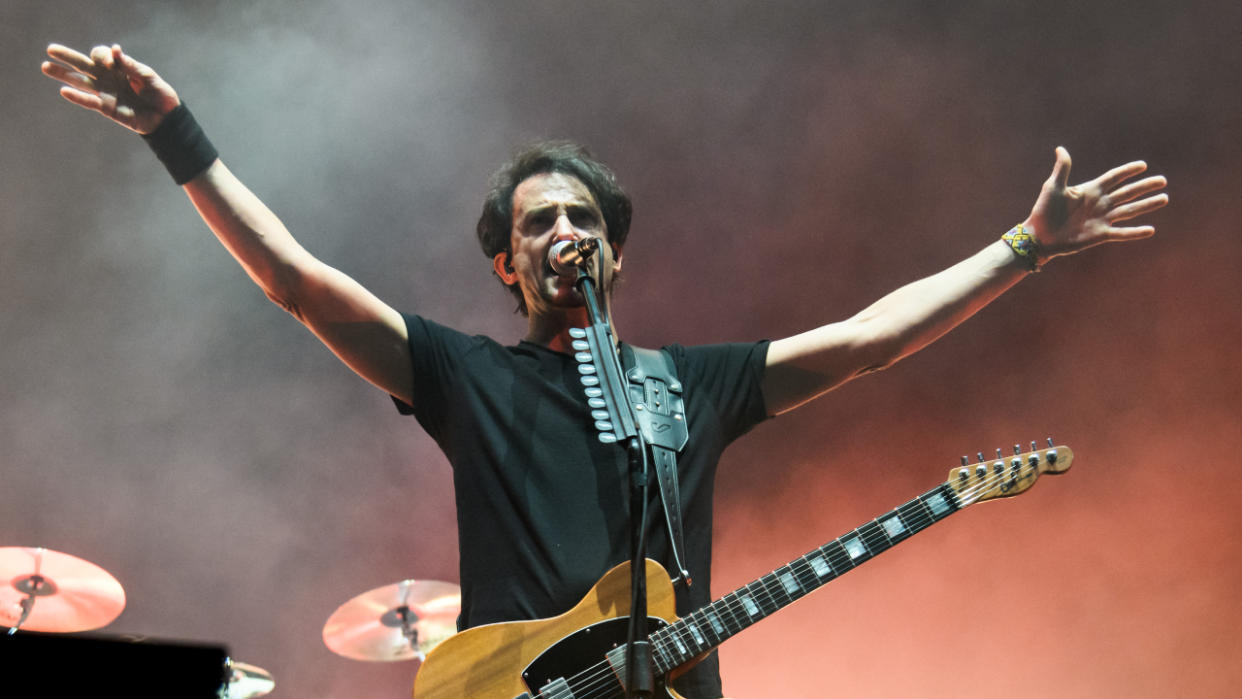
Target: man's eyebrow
574, 206
535, 211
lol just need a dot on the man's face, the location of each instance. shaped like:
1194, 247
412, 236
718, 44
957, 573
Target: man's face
547, 209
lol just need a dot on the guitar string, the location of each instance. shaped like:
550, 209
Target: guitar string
601, 676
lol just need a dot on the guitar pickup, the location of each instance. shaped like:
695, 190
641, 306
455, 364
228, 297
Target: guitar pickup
555, 689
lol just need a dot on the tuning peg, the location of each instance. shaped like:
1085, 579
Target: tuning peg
1052, 453
577, 333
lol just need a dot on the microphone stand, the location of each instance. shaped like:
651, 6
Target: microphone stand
639, 667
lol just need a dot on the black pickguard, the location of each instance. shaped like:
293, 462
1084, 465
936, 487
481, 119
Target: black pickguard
580, 660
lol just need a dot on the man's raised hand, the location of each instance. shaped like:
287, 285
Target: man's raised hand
1067, 219
112, 83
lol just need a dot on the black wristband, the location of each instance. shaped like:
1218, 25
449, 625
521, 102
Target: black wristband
181, 145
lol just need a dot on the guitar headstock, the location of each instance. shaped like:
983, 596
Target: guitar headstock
1007, 476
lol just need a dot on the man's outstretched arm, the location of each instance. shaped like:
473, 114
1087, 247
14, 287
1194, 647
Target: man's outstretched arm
359, 328
1064, 220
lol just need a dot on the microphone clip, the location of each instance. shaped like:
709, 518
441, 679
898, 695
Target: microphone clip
567, 256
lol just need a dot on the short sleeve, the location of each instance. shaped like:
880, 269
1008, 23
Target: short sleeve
435, 351
727, 379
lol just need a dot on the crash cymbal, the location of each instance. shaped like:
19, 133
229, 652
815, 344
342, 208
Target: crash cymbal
248, 681
63, 593
396, 622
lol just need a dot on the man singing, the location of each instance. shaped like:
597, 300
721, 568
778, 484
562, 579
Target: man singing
542, 503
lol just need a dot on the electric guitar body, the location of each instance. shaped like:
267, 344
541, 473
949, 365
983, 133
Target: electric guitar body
509, 660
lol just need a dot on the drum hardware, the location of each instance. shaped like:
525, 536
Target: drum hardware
245, 681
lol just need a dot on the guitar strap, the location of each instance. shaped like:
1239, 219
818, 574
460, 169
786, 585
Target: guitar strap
656, 394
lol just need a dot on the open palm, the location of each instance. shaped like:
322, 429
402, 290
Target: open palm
1067, 218
112, 83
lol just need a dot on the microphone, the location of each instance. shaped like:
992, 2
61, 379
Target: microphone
567, 256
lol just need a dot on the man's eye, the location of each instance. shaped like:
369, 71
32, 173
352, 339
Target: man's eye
583, 219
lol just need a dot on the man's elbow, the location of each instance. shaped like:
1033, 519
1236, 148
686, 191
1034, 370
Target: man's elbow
286, 287
286, 302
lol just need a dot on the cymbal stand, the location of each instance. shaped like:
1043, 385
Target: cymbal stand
35, 586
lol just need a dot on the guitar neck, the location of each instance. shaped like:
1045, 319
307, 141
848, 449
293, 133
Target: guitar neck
701, 631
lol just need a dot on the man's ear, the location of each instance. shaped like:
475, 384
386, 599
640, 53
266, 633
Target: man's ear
616, 259
504, 268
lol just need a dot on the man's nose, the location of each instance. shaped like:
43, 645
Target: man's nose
565, 230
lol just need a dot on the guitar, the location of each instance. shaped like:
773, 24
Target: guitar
581, 653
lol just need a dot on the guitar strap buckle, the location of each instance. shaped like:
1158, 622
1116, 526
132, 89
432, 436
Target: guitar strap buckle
660, 413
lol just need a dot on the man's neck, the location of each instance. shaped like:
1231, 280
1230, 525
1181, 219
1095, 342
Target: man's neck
551, 328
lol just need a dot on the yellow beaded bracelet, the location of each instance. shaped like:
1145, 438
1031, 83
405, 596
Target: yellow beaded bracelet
1024, 245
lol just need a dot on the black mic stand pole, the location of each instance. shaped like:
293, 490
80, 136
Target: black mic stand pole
639, 667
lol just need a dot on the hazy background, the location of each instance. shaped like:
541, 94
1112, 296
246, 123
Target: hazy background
789, 162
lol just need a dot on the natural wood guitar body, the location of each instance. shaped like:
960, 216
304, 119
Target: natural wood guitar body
486, 662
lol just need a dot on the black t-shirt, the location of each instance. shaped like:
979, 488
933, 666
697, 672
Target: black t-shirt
542, 504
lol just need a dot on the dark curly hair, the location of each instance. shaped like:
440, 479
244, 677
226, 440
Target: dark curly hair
566, 158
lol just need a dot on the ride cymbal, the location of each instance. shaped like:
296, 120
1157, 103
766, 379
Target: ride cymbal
400, 621
55, 591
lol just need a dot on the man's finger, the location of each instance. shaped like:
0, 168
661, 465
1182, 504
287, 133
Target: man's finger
1135, 190
132, 68
1136, 233
85, 100
101, 56
68, 76
1120, 174
69, 57
1138, 208
1061, 170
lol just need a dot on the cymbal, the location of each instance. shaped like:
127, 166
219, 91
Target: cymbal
64, 592
248, 681
400, 621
